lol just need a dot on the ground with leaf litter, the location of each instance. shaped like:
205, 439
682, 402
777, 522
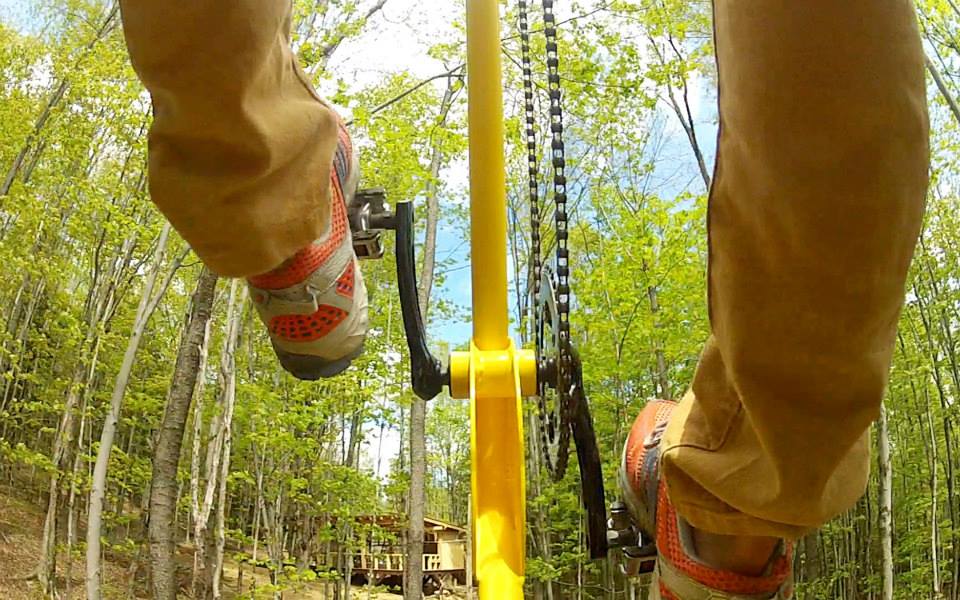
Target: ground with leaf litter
21, 526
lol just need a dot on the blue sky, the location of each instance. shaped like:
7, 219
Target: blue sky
16, 12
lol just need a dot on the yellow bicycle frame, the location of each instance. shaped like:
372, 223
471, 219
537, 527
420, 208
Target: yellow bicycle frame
493, 374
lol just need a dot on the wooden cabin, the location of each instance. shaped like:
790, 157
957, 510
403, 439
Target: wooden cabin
382, 558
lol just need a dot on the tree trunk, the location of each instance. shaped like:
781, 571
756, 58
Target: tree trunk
204, 544
167, 452
258, 505
73, 518
99, 482
934, 517
886, 504
198, 430
663, 378
413, 580
228, 374
47, 568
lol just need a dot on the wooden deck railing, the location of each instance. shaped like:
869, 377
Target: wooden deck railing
393, 562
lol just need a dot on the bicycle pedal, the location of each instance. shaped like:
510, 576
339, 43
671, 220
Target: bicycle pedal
367, 245
637, 548
369, 215
639, 561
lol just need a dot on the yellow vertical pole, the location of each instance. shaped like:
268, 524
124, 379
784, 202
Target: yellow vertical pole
488, 198
498, 474
494, 371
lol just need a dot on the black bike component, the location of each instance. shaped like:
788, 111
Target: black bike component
591, 471
563, 408
559, 164
369, 215
427, 372
549, 430
533, 169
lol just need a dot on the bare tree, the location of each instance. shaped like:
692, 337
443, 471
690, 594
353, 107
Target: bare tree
228, 375
943, 89
886, 504
681, 106
205, 555
413, 581
149, 299
163, 489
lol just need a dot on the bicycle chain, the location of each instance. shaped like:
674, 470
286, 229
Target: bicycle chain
560, 201
549, 428
533, 170
563, 370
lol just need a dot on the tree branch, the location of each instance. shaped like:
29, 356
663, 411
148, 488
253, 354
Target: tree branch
944, 90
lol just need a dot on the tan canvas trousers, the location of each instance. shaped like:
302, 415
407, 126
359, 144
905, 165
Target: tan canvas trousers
241, 145
814, 212
815, 209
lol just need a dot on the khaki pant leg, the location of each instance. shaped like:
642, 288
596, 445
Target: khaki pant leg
241, 146
814, 213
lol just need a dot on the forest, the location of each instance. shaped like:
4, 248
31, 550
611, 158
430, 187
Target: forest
138, 390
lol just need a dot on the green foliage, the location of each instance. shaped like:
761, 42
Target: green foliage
308, 460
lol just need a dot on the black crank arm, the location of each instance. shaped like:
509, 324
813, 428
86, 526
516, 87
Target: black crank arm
369, 215
591, 470
427, 373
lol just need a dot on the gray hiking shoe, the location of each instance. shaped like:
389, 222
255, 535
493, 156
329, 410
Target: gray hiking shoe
315, 304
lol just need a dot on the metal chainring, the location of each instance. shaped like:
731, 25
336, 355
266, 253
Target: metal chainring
556, 432
553, 406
